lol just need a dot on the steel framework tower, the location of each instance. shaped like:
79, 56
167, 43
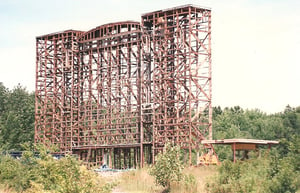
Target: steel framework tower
117, 93
57, 89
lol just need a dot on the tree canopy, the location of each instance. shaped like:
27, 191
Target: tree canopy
16, 117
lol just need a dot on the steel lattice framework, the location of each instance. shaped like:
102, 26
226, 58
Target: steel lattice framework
117, 93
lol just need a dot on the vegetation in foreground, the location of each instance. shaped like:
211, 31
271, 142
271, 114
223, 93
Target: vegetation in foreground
168, 167
256, 175
46, 174
268, 173
141, 181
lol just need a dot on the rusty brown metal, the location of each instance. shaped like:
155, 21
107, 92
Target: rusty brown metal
124, 89
177, 60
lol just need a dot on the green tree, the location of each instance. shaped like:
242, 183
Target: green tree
238, 123
168, 166
291, 121
3, 98
16, 118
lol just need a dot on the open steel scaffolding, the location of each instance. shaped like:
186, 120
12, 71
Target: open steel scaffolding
116, 94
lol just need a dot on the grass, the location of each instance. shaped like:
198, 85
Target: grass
202, 175
139, 181
4, 189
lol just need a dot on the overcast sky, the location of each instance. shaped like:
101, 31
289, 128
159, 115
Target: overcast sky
255, 43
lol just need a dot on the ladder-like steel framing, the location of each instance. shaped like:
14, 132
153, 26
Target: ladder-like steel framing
117, 93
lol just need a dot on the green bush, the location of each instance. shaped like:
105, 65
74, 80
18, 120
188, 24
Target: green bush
45, 174
241, 177
257, 175
283, 177
13, 173
168, 167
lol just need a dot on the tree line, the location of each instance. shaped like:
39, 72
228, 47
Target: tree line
236, 122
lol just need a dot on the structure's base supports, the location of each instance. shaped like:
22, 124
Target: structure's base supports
117, 158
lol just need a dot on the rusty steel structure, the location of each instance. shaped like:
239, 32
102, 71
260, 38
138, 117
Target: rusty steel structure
117, 93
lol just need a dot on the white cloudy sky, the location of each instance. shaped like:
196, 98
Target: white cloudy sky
255, 43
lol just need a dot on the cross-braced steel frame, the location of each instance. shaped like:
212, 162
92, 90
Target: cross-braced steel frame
117, 93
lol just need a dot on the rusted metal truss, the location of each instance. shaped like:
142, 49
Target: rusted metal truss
117, 93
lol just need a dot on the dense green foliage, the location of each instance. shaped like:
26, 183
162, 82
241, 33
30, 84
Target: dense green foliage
240, 177
238, 123
265, 174
168, 166
46, 174
16, 117
279, 171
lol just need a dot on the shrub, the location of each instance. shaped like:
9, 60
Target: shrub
257, 175
13, 173
168, 167
45, 174
240, 177
283, 177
